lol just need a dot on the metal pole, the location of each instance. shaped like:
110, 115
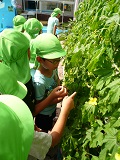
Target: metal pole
37, 1
23, 2
40, 6
63, 13
75, 8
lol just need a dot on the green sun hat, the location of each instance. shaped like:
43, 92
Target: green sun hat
9, 83
14, 47
18, 23
55, 12
33, 26
47, 45
16, 128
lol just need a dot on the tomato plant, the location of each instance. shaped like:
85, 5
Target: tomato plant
92, 69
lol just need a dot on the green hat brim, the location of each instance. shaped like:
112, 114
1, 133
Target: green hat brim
47, 45
54, 54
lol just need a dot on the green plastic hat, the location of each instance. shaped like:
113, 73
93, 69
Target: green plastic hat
47, 45
55, 12
33, 26
16, 128
14, 51
9, 83
18, 23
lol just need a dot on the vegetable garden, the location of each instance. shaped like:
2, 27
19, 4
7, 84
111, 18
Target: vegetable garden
92, 69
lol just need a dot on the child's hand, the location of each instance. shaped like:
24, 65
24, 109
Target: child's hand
68, 103
62, 91
58, 94
37, 129
59, 91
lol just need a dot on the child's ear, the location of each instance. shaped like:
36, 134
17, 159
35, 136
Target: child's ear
38, 59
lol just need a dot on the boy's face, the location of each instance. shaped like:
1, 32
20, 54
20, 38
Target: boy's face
58, 15
51, 63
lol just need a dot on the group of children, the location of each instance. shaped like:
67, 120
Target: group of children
28, 96
32, 26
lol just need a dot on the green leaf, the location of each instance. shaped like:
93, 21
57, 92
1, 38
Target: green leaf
110, 147
110, 85
99, 122
103, 153
115, 122
113, 83
95, 59
115, 119
103, 71
115, 18
100, 84
110, 138
94, 158
115, 94
97, 138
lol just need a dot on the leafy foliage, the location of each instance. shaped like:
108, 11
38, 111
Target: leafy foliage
92, 69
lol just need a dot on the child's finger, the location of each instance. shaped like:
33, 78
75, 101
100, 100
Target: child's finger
65, 90
61, 89
60, 98
58, 88
73, 95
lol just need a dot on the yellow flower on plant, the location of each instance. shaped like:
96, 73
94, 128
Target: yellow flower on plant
117, 156
93, 101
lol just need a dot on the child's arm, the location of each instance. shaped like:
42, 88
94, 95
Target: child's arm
67, 106
54, 29
54, 97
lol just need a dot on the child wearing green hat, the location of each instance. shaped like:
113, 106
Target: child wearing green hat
42, 141
18, 23
14, 87
14, 48
45, 79
53, 21
16, 128
33, 27
17, 140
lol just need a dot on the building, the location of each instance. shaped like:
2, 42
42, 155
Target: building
42, 9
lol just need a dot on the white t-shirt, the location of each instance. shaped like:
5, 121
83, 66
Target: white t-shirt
40, 146
52, 21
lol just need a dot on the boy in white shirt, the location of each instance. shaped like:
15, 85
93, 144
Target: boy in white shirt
53, 21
